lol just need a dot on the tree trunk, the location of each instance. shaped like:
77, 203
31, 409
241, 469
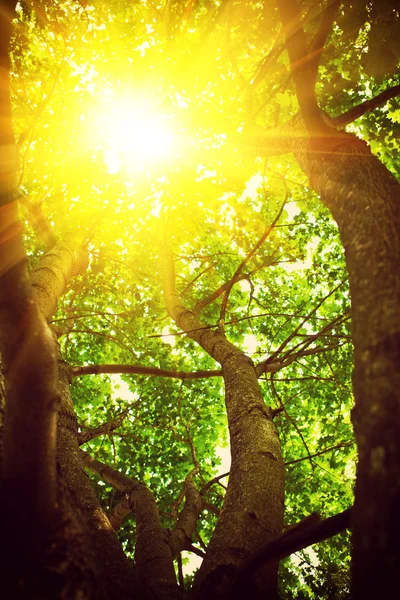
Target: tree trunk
79, 555
153, 549
364, 198
108, 573
252, 513
106, 569
53, 273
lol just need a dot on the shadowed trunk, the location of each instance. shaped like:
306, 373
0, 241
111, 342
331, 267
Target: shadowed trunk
364, 198
78, 552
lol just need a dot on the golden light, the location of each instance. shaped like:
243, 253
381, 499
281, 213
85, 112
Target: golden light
134, 136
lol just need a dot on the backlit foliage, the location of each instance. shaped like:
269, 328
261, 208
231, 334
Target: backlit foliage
131, 120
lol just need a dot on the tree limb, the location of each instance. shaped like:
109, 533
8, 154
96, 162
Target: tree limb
358, 111
120, 512
283, 345
276, 365
318, 43
296, 44
216, 479
185, 526
292, 421
53, 272
39, 223
244, 263
118, 480
152, 553
305, 534
104, 429
139, 370
222, 288
324, 451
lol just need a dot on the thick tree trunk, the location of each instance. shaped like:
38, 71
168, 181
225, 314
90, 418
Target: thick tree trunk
108, 573
106, 570
252, 512
364, 199
81, 554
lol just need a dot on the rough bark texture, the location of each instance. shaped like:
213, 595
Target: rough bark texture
364, 199
28, 353
6, 16
2, 407
78, 555
139, 370
181, 535
153, 556
95, 546
28, 477
252, 513
107, 565
51, 276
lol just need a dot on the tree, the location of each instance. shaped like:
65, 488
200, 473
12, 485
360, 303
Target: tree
157, 207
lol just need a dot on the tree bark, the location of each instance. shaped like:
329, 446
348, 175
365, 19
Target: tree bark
106, 567
80, 549
252, 513
364, 198
153, 554
96, 548
51, 276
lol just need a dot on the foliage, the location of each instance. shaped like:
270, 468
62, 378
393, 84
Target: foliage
84, 78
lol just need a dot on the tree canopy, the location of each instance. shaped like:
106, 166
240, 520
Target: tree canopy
151, 134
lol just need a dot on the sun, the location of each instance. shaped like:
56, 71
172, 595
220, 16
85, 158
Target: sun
140, 132
134, 136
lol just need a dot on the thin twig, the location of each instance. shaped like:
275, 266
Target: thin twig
324, 451
244, 262
277, 396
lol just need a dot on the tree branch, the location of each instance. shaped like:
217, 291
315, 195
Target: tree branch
296, 44
318, 43
152, 553
292, 421
139, 370
368, 105
104, 429
213, 342
324, 451
195, 550
283, 345
115, 478
120, 512
216, 479
185, 526
276, 365
305, 534
222, 288
39, 223
53, 272
244, 262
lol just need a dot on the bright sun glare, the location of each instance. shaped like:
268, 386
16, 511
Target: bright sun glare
134, 136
